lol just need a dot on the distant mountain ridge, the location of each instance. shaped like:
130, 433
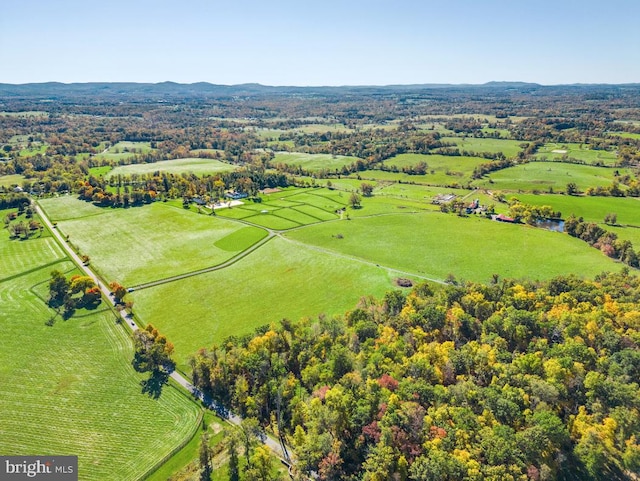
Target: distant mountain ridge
162, 90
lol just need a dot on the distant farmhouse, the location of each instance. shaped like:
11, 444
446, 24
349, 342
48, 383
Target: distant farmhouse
502, 218
234, 195
443, 198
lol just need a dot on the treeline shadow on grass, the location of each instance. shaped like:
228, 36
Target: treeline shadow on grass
154, 384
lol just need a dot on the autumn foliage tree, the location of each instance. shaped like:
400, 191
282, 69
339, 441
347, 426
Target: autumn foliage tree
152, 351
513, 380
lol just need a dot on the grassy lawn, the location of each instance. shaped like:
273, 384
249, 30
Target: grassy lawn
125, 150
68, 207
69, 388
176, 166
544, 175
416, 192
100, 171
11, 180
434, 245
625, 135
593, 209
289, 208
554, 151
509, 148
441, 169
141, 244
313, 161
18, 256
188, 455
280, 280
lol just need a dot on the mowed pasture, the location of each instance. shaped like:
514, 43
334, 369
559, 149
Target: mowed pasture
543, 176
282, 279
509, 148
176, 166
555, 151
441, 169
11, 180
313, 162
124, 150
289, 208
142, 244
592, 209
69, 389
473, 248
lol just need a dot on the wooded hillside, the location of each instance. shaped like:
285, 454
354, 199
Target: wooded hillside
506, 381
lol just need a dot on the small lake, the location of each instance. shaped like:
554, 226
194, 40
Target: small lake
555, 225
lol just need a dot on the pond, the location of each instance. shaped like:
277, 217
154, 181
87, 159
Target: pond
556, 225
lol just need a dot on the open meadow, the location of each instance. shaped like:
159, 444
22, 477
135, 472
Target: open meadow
441, 169
313, 161
197, 166
142, 244
542, 176
509, 148
11, 180
124, 150
290, 208
436, 245
592, 209
69, 388
282, 279
556, 151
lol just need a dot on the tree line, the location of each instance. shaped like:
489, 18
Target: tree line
512, 380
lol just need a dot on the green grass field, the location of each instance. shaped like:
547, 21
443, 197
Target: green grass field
141, 244
67, 207
124, 150
441, 169
11, 180
69, 388
625, 135
313, 161
592, 209
280, 280
176, 166
289, 208
509, 148
554, 151
545, 175
434, 245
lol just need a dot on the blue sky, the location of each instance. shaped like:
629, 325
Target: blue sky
329, 42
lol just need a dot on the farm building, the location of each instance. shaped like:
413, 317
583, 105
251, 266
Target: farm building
443, 198
236, 195
502, 218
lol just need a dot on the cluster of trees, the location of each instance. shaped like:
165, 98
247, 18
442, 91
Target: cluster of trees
417, 169
372, 145
16, 200
531, 214
138, 189
602, 239
73, 293
512, 380
632, 188
152, 351
488, 167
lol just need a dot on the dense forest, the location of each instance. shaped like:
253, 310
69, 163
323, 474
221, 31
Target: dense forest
513, 380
